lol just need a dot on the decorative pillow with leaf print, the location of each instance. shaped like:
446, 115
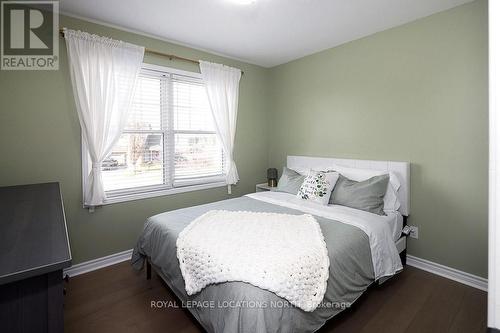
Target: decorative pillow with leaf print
318, 186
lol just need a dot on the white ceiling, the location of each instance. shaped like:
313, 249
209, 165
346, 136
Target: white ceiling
265, 32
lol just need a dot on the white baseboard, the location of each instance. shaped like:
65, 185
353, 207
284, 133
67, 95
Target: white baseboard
448, 272
92, 265
426, 265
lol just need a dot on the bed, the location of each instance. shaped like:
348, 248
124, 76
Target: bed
353, 239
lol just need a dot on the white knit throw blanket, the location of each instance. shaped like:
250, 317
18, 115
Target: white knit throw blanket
282, 253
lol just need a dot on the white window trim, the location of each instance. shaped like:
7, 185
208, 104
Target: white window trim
118, 196
494, 168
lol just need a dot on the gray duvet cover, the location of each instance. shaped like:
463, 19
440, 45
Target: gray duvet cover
241, 307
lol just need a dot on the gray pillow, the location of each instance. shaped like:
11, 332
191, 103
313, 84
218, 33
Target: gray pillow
290, 181
367, 195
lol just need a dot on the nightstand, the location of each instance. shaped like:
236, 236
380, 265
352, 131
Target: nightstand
264, 187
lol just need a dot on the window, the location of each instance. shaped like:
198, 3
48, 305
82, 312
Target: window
169, 143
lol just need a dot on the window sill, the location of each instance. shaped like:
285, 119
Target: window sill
160, 193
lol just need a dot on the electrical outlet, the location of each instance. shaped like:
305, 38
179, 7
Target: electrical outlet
414, 231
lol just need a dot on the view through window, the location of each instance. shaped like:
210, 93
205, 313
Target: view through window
169, 140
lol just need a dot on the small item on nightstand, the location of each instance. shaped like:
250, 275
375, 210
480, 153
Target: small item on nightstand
272, 177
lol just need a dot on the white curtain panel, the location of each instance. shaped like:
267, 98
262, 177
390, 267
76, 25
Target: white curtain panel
104, 75
222, 84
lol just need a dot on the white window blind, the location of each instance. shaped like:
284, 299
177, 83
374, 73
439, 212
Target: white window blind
169, 140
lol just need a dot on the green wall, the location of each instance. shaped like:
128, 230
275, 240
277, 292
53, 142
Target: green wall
414, 93
40, 142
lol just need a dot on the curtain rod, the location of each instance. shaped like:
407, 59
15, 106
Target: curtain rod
166, 55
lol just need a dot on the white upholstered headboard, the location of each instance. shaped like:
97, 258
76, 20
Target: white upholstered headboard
400, 169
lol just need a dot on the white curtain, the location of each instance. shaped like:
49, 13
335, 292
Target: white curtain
222, 84
104, 74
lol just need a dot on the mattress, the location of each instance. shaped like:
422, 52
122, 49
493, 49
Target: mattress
394, 219
240, 307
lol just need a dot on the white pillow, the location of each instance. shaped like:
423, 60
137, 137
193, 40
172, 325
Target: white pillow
318, 186
391, 202
302, 171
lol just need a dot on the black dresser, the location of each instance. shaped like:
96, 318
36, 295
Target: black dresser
34, 249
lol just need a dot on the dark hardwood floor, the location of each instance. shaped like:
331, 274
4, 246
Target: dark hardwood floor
117, 299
